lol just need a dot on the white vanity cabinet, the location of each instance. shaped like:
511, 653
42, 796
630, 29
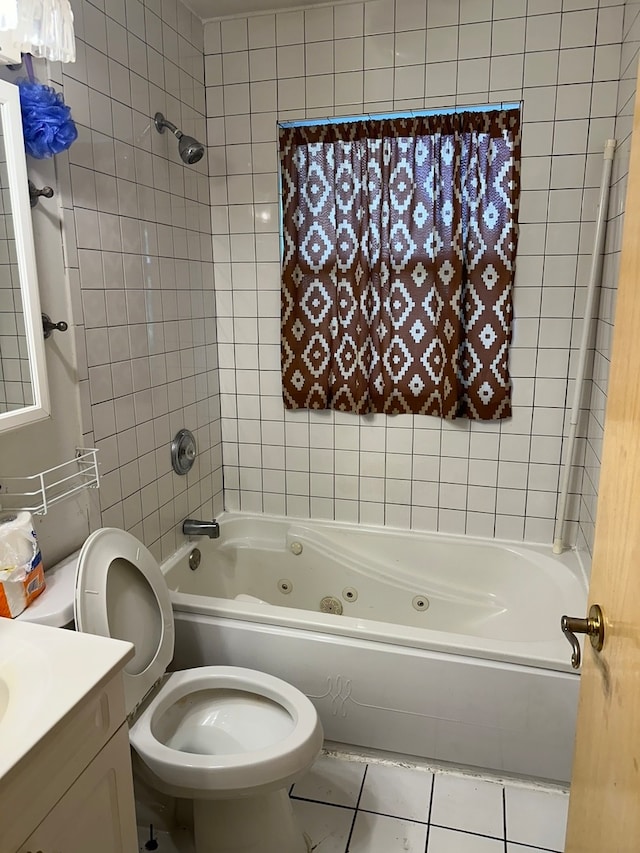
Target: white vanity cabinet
96, 814
65, 762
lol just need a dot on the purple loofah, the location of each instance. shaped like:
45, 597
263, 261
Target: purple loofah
46, 120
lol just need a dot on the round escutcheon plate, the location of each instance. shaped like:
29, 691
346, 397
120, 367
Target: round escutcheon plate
183, 451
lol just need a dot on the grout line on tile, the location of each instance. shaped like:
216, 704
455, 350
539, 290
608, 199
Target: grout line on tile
355, 813
433, 786
504, 817
466, 832
322, 802
395, 817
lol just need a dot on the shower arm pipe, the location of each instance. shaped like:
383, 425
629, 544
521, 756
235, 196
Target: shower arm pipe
590, 307
163, 122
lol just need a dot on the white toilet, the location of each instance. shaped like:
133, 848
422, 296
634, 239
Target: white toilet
230, 739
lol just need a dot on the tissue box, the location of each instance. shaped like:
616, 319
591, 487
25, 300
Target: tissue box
21, 570
18, 588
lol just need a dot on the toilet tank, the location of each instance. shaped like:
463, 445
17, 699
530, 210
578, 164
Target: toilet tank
54, 606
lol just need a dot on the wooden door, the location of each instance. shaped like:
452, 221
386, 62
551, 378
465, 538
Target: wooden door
604, 808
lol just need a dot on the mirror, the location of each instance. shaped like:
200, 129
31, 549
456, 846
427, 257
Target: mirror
24, 396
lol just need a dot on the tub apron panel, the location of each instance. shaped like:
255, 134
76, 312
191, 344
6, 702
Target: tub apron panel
498, 716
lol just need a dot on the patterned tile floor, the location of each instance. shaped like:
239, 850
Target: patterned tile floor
349, 805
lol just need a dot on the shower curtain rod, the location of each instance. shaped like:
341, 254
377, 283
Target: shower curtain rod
592, 292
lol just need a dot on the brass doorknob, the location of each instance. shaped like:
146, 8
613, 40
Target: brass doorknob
592, 626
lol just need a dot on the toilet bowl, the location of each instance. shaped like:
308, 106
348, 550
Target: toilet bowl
230, 739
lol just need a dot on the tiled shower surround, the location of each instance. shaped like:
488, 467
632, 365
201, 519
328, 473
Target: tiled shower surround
600, 373
563, 61
159, 348
139, 258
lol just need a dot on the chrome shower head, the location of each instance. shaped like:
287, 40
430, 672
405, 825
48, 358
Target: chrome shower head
190, 149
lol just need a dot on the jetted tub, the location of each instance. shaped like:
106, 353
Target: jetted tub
447, 648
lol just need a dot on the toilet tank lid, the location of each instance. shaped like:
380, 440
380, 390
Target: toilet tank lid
54, 606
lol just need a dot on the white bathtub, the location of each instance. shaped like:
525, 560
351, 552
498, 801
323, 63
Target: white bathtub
447, 648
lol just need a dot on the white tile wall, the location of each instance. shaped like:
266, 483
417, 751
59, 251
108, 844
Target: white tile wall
487, 479
139, 258
593, 416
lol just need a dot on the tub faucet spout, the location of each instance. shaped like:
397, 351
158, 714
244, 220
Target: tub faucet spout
193, 527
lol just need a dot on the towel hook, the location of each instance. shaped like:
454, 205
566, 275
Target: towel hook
49, 326
35, 193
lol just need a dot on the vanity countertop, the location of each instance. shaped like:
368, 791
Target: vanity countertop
44, 674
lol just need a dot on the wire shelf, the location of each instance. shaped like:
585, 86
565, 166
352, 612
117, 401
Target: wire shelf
39, 492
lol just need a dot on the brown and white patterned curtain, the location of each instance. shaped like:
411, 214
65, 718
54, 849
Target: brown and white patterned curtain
399, 248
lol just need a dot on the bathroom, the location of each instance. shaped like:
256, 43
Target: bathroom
169, 275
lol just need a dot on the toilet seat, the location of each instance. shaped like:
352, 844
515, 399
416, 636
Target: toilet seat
254, 770
121, 593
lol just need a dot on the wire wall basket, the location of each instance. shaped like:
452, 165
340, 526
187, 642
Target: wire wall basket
39, 492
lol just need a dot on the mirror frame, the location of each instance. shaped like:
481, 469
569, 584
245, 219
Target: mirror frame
11, 119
